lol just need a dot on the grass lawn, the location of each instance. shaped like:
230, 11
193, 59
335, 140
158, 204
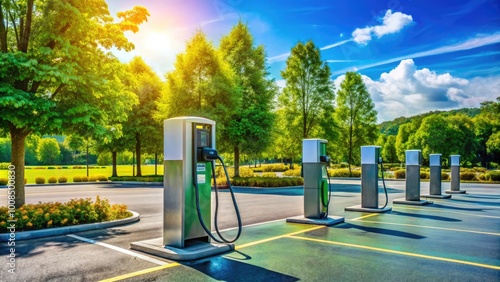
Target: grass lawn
123, 170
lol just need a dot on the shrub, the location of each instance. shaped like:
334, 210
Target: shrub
51, 167
138, 178
62, 179
467, 176
493, 176
400, 174
102, 178
77, 179
257, 169
267, 181
85, 179
292, 172
269, 174
4, 166
275, 168
40, 180
479, 169
39, 167
52, 179
246, 172
76, 211
425, 175
4, 181
343, 172
65, 167
92, 178
221, 181
445, 176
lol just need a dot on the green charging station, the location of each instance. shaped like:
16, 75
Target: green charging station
189, 167
316, 185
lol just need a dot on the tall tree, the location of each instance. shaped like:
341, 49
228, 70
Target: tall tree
487, 128
356, 117
202, 84
54, 71
250, 125
389, 153
48, 151
307, 99
141, 125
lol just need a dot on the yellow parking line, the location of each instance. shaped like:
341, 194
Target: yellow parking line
446, 211
365, 216
432, 227
141, 272
276, 237
397, 252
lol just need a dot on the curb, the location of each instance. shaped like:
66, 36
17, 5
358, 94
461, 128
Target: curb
26, 235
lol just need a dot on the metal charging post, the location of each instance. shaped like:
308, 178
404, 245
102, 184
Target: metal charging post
435, 178
412, 191
183, 236
455, 176
316, 185
370, 156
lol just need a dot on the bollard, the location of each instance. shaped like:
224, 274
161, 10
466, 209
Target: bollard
412, 191
455, 176
435, 178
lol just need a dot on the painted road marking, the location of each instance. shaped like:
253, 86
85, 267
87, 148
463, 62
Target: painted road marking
444, 210
276, 237
365, 216
141, 272
432, 227
396, 252
124, 251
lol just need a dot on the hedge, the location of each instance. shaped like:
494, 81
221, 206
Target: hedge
76, 211
400, 174
269, 174
62, 179
138, 178
344, 172
40, 180
292, 172
267, 181
468, 176
52, 179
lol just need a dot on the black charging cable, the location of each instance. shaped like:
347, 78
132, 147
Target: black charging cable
198, 210
383, 182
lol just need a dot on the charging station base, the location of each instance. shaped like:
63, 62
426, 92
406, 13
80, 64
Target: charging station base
436, 196
414, 203
359, 208
196, 250
455, 192
332, 220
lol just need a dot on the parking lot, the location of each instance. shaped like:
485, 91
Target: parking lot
455, 239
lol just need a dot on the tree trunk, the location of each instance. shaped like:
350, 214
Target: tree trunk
138, 153
115, 171
18, 141
236, 161
156, 163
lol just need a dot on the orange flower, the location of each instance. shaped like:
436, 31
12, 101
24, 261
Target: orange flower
29, 224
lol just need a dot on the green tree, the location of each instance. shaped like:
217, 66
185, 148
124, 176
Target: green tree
104, 158
487, 126
48, 151
202, 84
389, 150
55, 73
250, 125
356, 117
5, 150
382, 138
141, 125
307, 99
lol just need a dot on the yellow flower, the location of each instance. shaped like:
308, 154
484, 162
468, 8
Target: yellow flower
25, 217
49, 223
29, 224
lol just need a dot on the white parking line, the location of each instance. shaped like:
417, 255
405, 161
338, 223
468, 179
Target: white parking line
124, 251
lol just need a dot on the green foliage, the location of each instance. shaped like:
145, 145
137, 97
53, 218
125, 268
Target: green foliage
62, 179
74, 212
306, 102
250, 125
293, 172
445, 176
5, 150
343, 172
137, 178
267, 181
275, 168
400, 174
356, 118
493, 175
52, 179
4, 166
4, 181
48, 151
389, 152
468, 176
85, 178
425, 175
269, 174
104, 158
40, 180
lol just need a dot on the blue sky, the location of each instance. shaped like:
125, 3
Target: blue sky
415, 56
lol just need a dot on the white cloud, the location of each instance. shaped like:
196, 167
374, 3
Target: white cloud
407, 90
391, 23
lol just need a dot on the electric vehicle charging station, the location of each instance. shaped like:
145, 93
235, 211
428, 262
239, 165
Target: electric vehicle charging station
370, 160
412, 191
455, 176
435, 178
189, 156
316, 185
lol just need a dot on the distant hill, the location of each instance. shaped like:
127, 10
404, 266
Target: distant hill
392, 127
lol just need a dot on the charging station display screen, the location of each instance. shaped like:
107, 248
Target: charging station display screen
203, 136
